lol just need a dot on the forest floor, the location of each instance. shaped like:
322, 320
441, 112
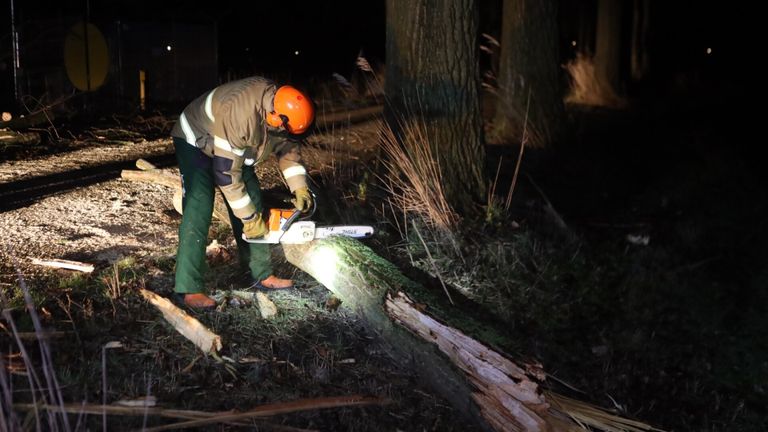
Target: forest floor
648, 296
128, 231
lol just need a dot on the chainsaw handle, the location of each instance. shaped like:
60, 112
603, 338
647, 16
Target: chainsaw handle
299, 215
311, 211
296, 214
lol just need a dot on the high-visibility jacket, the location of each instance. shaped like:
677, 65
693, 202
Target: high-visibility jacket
228, 124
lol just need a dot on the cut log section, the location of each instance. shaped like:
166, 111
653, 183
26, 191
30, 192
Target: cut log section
188, 326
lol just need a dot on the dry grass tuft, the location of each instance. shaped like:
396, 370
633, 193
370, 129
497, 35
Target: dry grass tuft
412, 176
590, 417
587, 88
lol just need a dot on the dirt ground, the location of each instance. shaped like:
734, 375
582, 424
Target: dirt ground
102, 223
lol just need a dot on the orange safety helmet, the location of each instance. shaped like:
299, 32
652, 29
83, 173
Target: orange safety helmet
292, 110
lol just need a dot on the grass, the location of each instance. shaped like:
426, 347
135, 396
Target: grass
411, 175
662, 332
122, 344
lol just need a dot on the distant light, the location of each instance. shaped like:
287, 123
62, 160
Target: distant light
168, 48
709, 50
296, 52
573, 43
247, 49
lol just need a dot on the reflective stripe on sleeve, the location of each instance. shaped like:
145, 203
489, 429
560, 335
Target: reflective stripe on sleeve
187, 129
294, 171
224, 145
208, 105
241, 203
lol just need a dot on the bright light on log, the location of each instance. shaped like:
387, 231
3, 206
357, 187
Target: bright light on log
323, 265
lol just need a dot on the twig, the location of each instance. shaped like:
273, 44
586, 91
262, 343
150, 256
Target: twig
432, 261
523, 140
278, 408
104, 349
142, 411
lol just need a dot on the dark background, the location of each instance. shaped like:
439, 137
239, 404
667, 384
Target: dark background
263, 37
250, 37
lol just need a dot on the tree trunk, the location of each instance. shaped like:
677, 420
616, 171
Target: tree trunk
528, 70
640, 16
433, 75
608, 44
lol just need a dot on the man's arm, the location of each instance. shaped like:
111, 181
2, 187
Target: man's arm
288, 154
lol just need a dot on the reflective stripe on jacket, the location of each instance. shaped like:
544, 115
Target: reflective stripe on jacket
227, 124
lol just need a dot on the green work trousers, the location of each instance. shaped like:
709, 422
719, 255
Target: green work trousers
198, 187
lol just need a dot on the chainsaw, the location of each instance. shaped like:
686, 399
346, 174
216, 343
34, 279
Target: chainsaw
291, 226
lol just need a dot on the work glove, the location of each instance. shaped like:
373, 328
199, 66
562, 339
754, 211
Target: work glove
255, 227
303, 200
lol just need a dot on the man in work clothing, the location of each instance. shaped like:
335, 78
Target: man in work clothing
219, 138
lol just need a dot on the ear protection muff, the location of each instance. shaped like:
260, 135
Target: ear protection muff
274, 119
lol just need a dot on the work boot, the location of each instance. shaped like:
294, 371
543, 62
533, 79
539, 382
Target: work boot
199, 301
274, 283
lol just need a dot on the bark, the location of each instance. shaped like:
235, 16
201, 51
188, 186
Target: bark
480, 383
529, 95
433, 75
640, 17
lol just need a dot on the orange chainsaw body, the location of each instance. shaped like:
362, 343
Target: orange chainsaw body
277, 217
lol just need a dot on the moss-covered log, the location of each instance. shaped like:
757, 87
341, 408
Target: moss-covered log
477, 381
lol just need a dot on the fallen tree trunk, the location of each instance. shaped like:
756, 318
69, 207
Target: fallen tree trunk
480, 383
362, 280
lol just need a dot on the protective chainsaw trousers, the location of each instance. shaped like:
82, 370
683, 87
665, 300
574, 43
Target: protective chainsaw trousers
198, 187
